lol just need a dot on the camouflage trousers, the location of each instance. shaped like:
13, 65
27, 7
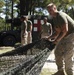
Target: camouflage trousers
26, 39
29, 37
64, 54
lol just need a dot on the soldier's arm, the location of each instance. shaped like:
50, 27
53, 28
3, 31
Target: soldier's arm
62, 34
63, 29
31, 26
55, 34
50, 30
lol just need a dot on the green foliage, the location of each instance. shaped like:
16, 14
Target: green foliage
61, 4
3, 25
1, 5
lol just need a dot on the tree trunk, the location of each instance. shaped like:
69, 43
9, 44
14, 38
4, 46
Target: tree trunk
24, 7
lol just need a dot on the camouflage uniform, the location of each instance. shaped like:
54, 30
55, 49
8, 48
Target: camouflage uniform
46, 29
64, 51
29, 38
24, 33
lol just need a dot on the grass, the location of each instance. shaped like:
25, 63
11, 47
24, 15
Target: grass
5, 49
46, 71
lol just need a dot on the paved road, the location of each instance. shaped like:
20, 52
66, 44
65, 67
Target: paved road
49, 66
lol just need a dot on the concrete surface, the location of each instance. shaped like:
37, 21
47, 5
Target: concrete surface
49, 66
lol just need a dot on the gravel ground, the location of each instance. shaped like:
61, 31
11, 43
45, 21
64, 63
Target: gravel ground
7, 62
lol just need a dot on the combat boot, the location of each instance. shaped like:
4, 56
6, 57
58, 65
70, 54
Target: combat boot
59, 73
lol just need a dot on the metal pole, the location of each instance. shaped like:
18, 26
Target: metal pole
12, 10
12, 16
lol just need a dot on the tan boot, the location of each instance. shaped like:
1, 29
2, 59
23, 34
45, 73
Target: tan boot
59, 73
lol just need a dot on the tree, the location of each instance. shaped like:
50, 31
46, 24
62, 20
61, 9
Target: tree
1, 5
25, 6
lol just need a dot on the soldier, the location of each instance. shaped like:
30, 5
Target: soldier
26, 30
29, 30
63, 26
46, 28
24, 33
